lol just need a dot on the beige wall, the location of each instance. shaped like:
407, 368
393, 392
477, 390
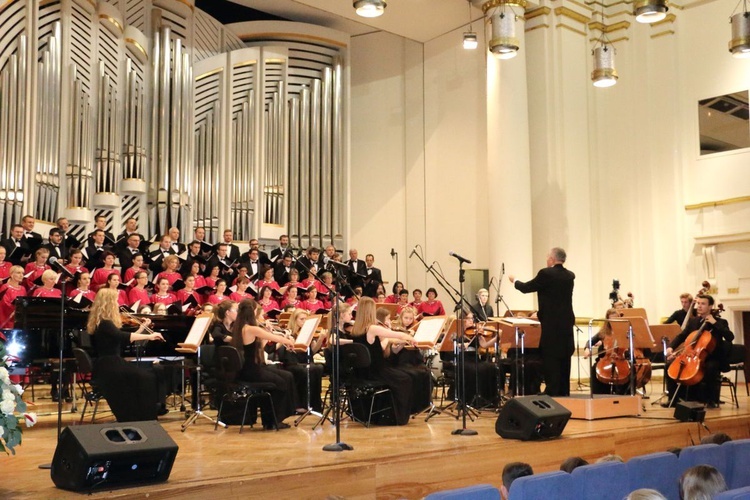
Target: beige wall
612, 169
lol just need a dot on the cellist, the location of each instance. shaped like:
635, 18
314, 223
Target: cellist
709, 389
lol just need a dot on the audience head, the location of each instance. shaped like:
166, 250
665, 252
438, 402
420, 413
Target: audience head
701, 482
610, 458
511, 472
645, 494
716, 438
571, 463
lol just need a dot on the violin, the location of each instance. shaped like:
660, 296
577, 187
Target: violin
688, 368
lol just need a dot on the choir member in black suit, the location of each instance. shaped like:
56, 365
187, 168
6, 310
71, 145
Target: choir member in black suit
309, 261
282, 248
174, 235
157, 256
282, 269
33, 239
222, 261
94, 253
554, 287
372, 278
233, 251
262, 256
55, 245
70, 240
125, 254
100, 222
131, 226
251, 260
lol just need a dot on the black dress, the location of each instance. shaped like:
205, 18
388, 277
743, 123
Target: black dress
130, 391
411, 362
397, 381
283, 394
296, 364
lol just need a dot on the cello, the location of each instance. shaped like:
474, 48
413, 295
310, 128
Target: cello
613, 368
688, 366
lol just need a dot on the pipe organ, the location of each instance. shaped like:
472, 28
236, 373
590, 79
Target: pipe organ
152, 109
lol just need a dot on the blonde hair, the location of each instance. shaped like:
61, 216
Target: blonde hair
343, 309
293, 320
49, 273
168, 259
407, 310
105, 306
365, 316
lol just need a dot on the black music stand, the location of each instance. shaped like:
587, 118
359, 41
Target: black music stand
520, 332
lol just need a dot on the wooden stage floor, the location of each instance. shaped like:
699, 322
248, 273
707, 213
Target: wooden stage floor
387, 462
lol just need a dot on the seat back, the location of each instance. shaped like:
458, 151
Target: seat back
83, 360
476, 492
734, 494
556, 484
230, 363
602, 481
738, 455
705, 454
738, 354
659, 471
355, 362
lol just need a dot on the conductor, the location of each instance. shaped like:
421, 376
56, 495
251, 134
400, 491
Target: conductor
554, 287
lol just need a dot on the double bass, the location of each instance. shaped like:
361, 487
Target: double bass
689, 365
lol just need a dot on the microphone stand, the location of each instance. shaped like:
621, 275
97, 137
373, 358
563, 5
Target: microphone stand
394, 254
335, 358
580, 385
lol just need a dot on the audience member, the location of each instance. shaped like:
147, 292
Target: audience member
511, 472
716, 438
571, 463
610, 458
701, 482
645, 494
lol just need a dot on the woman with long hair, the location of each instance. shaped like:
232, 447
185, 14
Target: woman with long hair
81, 287
411, 361
606, 348
297, 363
369, 333
225, 314
248, 338
130, 391
75, 258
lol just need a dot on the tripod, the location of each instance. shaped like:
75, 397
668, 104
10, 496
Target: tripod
197, 411
309, 410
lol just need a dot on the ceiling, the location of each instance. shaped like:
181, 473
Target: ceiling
418, 20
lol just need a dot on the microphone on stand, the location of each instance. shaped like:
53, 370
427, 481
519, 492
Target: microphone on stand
492, 278
393, 253
460, 259
503, 268
414, 251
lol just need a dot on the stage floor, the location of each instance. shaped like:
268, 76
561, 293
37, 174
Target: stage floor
386, 462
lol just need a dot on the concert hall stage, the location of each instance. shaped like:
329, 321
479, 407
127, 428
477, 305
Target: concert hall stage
387, 462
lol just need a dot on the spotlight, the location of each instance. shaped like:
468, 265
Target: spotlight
504, 43
604, 74
650, 11
739, 46
370, 8
470, 40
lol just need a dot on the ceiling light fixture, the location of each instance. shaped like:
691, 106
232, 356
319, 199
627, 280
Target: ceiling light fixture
370, 8
471, 41
650, 11
739, 46
604, 74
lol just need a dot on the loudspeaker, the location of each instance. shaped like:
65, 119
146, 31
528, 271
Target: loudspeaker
112, 455
531, 417
689, 411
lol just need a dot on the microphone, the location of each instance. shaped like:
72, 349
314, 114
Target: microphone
393, 252
492, 278
460, 259
503, 268
53, 262
414, 250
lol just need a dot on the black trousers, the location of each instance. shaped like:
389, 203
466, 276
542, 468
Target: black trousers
556, 374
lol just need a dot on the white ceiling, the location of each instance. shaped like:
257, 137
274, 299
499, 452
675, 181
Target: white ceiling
419, 20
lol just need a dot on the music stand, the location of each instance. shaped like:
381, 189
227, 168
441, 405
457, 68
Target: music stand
521, 332
633, 332
665, 334
302, 343
448, 344
192, 345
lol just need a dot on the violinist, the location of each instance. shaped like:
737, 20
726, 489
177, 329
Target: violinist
225, 313
411, 361
709, 388
297, 363
606, 349
132, 393
481, 376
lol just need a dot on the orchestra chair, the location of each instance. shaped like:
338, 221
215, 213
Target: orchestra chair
657, 471
705, 454
541, 486
738, 455
237, 391
603, 481
86, 383
736, 364
476, 492
359, 388
734, 494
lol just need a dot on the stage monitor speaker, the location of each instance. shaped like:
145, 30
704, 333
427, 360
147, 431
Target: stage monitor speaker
690, 411
531, 417
113, 455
